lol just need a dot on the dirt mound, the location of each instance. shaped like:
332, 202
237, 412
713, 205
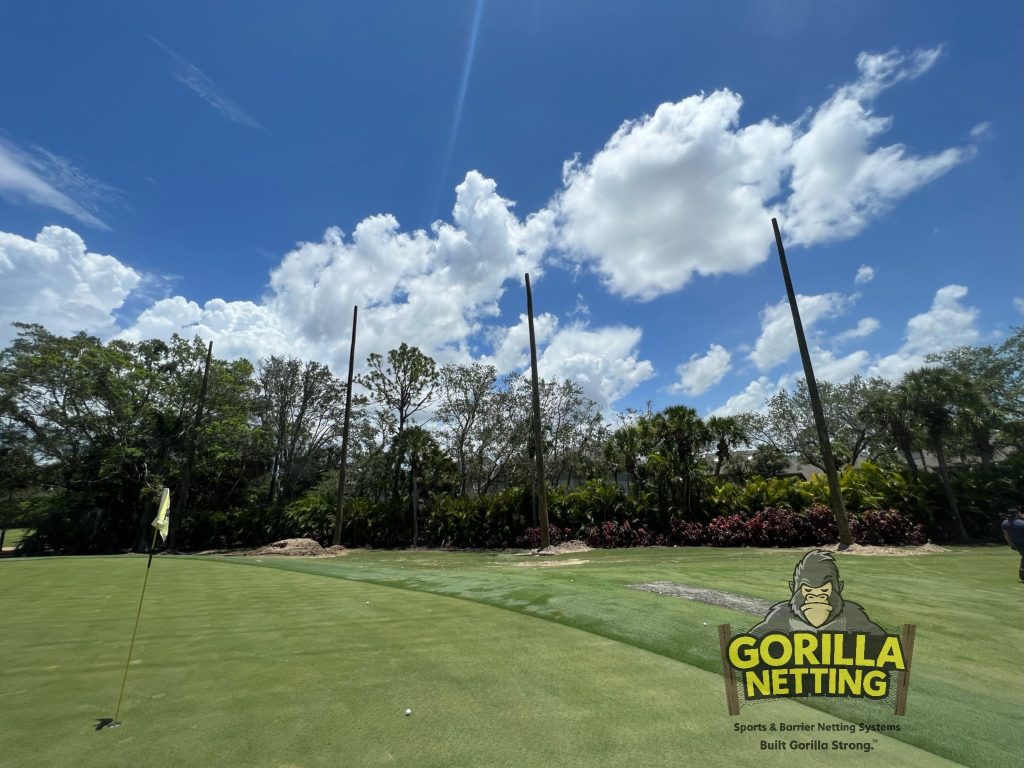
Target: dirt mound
291, 548
565, 548
871, 549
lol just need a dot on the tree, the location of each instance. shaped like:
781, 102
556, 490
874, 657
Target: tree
933, 394
768, 461
302, 412
896, 425
679, 438
727, 432
991, 415
574, 431
788, 422
401, 386
403, 383
465, 392
96, 418
499, 450
623, 449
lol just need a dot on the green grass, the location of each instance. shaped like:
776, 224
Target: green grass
13, 536
283, 663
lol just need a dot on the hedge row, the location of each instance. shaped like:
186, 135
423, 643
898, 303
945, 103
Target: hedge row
773, 527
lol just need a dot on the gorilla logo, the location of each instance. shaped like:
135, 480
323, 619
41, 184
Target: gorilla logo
817, 603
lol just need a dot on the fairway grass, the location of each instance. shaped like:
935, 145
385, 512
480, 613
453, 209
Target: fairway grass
304, 663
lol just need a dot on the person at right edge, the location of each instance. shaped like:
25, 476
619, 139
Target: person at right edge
1013, 532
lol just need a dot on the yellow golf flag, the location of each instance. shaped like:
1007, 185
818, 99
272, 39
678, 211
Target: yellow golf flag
162, 520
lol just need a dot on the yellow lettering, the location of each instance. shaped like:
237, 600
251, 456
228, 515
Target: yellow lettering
819, 672
780, 684
760, 681
876, 684
798, 681
785, 650
849, 681
743, 653
891, 653
805, 646
838, 659
862, 660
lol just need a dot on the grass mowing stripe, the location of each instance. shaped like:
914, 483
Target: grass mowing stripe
262, 667
964, 703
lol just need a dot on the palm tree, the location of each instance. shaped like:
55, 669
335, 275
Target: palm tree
933, 395
623, 449
410, 446
728, 432
890, 410
682, 437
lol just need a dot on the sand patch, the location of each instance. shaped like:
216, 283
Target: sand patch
547, 563
871, 549
750, 605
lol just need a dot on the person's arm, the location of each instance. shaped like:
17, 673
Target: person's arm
1006, 532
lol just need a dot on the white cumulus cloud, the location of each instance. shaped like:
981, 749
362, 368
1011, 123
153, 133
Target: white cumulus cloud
751, 400
701, 372
680, 192
603, 361
865, 274
947, 324
431, 290
865, 327
777, 341
54, 281
837, 370
690, 189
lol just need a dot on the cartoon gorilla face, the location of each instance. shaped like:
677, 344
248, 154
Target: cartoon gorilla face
817, 590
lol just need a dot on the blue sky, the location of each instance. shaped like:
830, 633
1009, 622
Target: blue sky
179, 161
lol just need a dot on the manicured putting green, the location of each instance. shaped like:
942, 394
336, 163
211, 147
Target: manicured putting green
313, 663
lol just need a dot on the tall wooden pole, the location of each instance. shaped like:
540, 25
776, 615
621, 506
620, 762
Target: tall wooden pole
344, 432
835, 494
538, 439
186, 476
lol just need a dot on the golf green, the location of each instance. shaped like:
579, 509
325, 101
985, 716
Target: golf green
503, 663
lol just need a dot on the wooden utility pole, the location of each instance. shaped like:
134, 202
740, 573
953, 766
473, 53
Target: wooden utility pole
186, 476
538, 438
344, 432
835, 494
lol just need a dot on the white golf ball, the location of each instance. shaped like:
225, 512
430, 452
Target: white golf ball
705, 623
408, 712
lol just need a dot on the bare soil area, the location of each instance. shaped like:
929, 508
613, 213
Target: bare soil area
870, 549
712, 596
547, 563
284, 548
565, 548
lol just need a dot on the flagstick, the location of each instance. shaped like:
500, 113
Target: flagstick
152, 545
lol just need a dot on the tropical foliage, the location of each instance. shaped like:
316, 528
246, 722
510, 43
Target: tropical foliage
443, 455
